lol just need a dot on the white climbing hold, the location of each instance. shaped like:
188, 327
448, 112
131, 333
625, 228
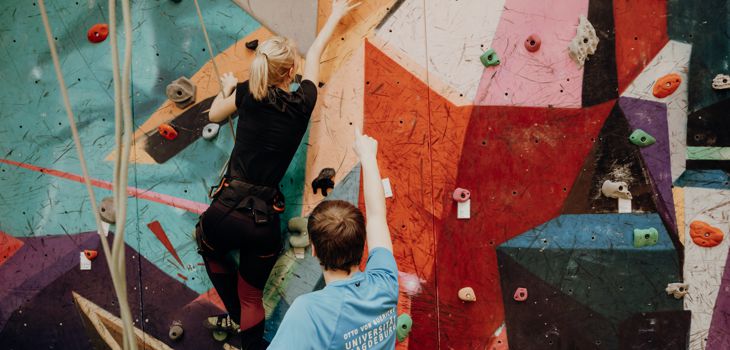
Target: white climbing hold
618, 189
467, 294
678, 290
106, 210
721, 82
584, 43
210, 131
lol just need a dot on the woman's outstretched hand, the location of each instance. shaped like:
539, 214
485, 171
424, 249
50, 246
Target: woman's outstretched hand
340, 8
364, 146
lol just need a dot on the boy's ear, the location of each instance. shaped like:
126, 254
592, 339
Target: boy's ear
314, 252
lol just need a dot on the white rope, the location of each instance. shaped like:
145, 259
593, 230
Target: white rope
115, 259
215, 66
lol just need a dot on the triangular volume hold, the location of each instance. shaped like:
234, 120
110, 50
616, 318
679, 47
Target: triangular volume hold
613, 158
651, 117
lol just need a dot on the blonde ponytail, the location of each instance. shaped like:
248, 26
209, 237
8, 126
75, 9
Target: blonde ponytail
274, 59
259, 78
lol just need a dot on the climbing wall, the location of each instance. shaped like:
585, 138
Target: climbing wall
591, 136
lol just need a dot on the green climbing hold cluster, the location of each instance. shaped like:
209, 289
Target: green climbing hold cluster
298, 227
645, 237
405, 322
489, 58
641, 138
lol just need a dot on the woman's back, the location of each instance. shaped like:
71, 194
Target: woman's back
269, 132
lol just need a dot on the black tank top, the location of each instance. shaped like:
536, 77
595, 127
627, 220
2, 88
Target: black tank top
269, 132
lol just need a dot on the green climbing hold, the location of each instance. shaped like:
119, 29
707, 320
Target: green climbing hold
220, 336
405, 322
489, 58
645, 237
298, 224
641, 138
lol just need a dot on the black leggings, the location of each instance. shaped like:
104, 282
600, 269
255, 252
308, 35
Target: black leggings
259, 245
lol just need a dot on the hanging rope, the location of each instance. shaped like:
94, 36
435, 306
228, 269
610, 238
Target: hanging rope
115, 255
212, 60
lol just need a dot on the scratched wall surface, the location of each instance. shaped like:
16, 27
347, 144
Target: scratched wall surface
533, 138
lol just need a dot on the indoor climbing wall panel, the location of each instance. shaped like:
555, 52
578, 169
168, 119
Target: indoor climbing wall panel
706, 252
531, 107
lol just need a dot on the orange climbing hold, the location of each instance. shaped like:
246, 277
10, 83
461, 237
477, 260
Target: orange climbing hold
705, 235
167, 131
91, 254
98, 33
667, 85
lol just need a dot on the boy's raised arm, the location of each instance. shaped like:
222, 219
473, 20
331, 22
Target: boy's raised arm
378, 234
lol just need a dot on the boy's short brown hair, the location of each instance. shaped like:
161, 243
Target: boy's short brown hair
337, 230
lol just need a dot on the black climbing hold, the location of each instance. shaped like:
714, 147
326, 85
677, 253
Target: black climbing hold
253, 44
324, 181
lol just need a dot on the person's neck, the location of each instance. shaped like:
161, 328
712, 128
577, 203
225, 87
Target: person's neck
339, 275
284, 86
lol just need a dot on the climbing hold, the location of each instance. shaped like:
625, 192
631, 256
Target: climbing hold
489, 58
324, 181
666, 85
405, 323
645, 237
177, 1
679, 290
532, 43
182, 92
617, 189
299, 239
467, 294
220, 336
298, 224
167, 131
98, 33
721, 82
705, 235
176, 330
106, 210
91, 254
253, 44
520, 294
461, 195
584, 43
641, 138
210, 131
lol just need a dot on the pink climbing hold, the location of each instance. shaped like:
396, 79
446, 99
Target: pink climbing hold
520, 294
461, 195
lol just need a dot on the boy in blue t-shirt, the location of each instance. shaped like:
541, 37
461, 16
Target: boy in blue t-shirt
356, 310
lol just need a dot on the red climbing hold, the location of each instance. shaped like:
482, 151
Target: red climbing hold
98, 33
90, 254
532, 43
167, 131
705, 235
666, 85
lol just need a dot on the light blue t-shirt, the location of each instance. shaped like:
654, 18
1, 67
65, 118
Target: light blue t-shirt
354, 314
